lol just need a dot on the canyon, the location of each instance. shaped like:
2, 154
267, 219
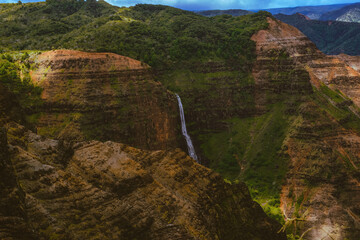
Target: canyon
103, 156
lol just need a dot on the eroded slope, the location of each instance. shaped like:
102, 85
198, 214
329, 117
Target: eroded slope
321, 186
103, 96
109, 190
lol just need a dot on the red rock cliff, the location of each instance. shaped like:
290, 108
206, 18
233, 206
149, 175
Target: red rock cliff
103, 96
322, 187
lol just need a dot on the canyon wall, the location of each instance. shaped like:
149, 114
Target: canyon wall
320, 195
103, 96
108, 190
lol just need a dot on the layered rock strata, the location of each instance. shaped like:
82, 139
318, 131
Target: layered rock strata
320, 195
278, 70
322, 188
103, 96
95, 190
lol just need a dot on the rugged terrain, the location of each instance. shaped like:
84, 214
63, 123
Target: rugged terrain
349, 13
103, 96
321, 187
108, 190
262, 103
313, 12
331, 37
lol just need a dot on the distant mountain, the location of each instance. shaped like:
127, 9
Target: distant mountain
331, 37
233, 12
313, 12
349, 13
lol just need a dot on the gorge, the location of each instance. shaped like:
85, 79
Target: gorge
92, 133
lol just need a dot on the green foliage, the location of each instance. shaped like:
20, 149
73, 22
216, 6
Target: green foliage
158, 35
292, 237
27, 94
337, 106
225, 149
272, 209
266, 167
255, 144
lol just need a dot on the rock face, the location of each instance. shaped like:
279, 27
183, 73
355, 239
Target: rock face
96, 190
321, 33
337, 74
278, 70
322, 184
321, 188
103, 96
13, 219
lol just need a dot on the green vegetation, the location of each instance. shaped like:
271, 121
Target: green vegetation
253, 143
266, 167
14, 74
337, 106
251, 150
158, 35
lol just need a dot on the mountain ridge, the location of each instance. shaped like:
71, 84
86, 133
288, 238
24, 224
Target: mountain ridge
348, 13
331, 37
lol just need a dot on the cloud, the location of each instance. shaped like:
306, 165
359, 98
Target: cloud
220, 4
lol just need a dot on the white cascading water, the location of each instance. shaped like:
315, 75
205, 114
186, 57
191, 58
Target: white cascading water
189, 143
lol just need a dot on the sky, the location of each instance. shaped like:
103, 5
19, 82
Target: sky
221, 4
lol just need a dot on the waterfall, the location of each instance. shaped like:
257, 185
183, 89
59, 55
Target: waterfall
189, 143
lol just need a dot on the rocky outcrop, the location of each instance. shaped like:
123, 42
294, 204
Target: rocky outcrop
351, 61
95, 190
321, 188
13, 219
278, 70
103, 96
338, 73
